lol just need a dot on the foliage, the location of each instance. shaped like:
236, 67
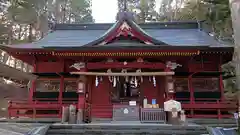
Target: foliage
144, 9
70, 11
230, 79
215, 12
27, 20
81, 11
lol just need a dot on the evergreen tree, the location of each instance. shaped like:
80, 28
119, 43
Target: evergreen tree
143, 9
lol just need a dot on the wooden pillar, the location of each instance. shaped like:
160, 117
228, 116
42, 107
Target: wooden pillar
170, 88
82, 86
33, 82
169, 91
82, 89
60, 95
192, 100
191, 90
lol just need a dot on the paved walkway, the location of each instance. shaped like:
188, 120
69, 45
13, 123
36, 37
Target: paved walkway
16, 128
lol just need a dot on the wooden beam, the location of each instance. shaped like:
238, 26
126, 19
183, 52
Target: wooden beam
124, 74
107, 65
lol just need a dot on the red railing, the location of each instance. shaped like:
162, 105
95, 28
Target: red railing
205, 104
18, 108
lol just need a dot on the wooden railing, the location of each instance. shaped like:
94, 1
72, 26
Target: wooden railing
152, 115
223, 108
18, 108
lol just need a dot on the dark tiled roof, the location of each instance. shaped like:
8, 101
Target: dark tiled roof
171, 33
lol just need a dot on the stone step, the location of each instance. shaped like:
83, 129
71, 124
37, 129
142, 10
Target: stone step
214, 122
121, 128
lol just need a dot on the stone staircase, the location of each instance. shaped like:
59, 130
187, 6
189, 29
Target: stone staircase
101, 111
226, 123
127, 128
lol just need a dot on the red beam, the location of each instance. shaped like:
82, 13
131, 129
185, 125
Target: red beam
107, 65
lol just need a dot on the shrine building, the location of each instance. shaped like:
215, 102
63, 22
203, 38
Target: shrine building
99, 67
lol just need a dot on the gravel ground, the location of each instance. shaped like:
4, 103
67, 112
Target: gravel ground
16, 128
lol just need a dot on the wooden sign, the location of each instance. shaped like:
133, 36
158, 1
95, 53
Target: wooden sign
132, 103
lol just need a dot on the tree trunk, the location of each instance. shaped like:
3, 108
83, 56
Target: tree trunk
64, 9
10, 35
30, 35
235, 8
19, 33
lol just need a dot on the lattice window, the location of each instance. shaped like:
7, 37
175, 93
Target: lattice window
181, 84
70, 85
205, 84
47, 85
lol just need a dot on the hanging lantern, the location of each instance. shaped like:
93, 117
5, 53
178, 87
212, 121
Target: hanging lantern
81, 87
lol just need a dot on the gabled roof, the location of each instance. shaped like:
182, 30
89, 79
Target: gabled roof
153, 34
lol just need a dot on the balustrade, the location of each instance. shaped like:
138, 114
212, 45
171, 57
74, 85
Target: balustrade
152, 115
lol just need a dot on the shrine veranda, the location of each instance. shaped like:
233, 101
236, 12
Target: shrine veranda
101, 66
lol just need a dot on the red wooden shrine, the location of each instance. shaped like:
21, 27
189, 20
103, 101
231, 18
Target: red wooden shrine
179, 60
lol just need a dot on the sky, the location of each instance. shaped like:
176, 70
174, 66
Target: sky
107, 14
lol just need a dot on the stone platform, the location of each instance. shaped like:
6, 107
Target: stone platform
127, 127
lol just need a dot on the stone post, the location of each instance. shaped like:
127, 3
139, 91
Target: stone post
65, 114
72, 114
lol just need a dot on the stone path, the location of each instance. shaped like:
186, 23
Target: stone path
16, 128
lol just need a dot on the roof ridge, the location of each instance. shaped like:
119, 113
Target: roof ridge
149, 25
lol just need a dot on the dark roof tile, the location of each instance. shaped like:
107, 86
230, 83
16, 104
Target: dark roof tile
171, 33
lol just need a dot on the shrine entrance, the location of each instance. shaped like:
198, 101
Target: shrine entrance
128, 89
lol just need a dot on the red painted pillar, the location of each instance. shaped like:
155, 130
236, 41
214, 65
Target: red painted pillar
33, 86
82, 87
81, 100
60, 96
61, 89
191, 89
192, 100
169, 91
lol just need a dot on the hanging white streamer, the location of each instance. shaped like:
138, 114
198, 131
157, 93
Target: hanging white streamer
110, 77
154, 81
96, 81
114, 81
135, 81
